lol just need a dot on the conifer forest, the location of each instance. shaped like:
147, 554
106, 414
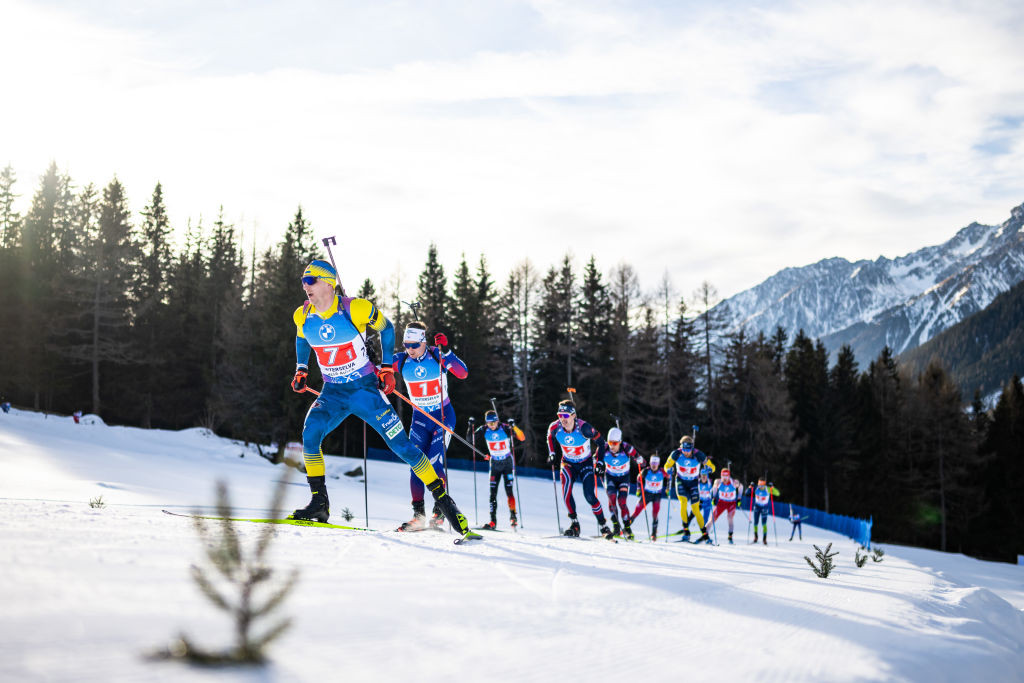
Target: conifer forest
102, 311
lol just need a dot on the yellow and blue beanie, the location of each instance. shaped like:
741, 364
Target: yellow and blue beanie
322, 270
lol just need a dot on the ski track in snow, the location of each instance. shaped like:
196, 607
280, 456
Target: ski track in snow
87, 592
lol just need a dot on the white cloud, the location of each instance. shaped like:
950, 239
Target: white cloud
723, 144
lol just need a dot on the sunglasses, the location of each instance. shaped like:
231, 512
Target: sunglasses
413, 345
614, 443
565, 416
309, 279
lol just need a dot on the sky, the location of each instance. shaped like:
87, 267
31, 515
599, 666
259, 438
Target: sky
711, 141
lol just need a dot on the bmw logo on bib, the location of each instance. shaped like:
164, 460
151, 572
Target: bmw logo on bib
420, 372
570, 439
327, 332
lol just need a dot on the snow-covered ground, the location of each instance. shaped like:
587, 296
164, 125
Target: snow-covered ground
85, 593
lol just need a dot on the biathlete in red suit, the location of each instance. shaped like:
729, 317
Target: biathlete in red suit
728, 493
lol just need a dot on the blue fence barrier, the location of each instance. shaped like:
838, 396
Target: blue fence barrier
857, 529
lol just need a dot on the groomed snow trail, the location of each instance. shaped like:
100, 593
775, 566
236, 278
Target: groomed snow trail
88, 591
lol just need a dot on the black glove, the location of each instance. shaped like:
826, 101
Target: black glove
551, 458
299, 380
599, 467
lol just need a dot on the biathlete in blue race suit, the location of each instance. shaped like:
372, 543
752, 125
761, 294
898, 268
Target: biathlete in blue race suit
688, 461
569, 437
333, 327
425, 371
703, 496
650, 488
613, 461
498, 437
761, 499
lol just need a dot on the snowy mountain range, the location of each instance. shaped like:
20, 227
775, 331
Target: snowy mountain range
901, 302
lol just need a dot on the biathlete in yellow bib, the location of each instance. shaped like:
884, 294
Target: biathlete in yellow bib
333, 327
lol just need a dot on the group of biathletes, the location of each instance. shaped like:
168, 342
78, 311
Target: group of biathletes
334, 326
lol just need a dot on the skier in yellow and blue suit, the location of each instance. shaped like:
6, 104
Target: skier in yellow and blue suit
333, 327
688, 461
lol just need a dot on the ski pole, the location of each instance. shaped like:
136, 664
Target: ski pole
671, 492
433, 419
643, 499
476, 507
440, 424
750, 517
366, 479
519, 497
554, 489
775, 523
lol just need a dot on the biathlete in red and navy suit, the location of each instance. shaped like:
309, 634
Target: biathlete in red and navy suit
613, 461
650, 488
727, 491
425, 371
569, 438
497, 436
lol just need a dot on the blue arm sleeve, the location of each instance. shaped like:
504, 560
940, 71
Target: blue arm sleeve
302, 349
387, 343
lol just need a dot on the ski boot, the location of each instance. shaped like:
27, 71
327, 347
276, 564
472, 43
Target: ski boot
755, 537
764, 539
492, 525
654, 533
686, 536
704, 537
437, 518
447, 507
512, 521
418, 521
607, 533
574, 527
319, 508
512, 512
627, 532
616, 527
730, 538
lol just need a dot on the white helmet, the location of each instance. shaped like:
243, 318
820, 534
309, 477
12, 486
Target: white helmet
655, 462
615, 434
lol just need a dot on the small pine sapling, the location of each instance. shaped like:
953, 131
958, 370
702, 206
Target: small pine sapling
97, 502
877, 554
244, 573
346, 514
860, 557
825, 562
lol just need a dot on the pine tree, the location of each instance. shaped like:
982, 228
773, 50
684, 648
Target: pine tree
115, 263
553, 350
682, 366
624, 291
807, 380
10, 220
152, 320
433, 293
518, 329
594, 353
